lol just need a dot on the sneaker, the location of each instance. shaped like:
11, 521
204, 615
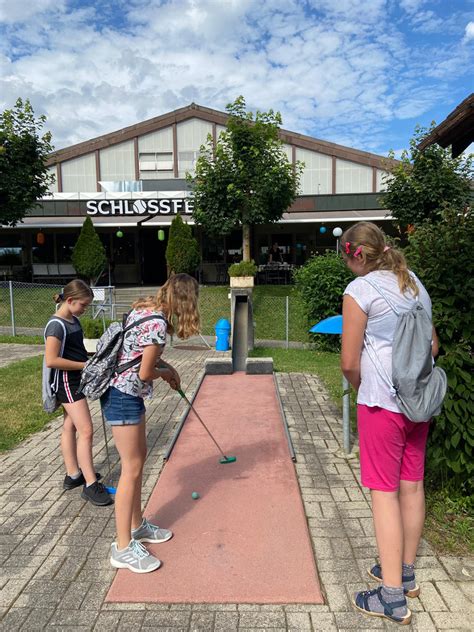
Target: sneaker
96, 494
72, 483
371, 602
148, 532
410, 587
135, 557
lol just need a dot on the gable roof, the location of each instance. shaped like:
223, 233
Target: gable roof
456, 130
219, 118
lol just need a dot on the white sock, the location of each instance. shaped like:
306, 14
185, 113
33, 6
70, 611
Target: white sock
75, 476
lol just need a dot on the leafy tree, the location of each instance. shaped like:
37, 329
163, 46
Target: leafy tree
182, 251
441, 255
89, 257
24, 177
245, 178
424, 182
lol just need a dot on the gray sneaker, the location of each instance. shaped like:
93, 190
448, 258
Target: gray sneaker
148, 532
135, 557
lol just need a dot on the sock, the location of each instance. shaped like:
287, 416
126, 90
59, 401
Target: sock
90, 484
75, 476
390, 595
408, 570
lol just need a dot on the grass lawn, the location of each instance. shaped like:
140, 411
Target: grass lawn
23, 340
449, 525
21, 408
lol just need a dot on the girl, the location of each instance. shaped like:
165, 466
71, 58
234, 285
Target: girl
65, 353
392, 448
124, 410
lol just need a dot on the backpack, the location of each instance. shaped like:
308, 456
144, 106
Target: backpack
50, 384
103, 366
419, 387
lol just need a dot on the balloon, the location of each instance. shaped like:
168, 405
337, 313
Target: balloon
161, 235
322, 230
119, 234
337, 232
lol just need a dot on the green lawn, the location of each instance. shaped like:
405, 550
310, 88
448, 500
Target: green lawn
21, 409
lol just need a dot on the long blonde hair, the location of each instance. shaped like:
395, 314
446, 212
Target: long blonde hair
76, 289
367, 242
178, 299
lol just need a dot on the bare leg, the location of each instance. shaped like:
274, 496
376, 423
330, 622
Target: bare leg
81, 419
412, 506
389, 533
68, 446
128, 443
137, 516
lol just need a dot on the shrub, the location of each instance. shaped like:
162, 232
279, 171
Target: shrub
182, 251
321, 283
89, 256
93, 327
441, 255
242, 269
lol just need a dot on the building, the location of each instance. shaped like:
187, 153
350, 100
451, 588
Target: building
132, 183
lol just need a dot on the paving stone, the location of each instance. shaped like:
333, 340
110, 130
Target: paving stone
107, 621
357, 620
37, 619
262, 619
422, 622
226, 621
454, 598
337, 597
131, 620
451, 621
323, 622
298, 621
65, 618
202, 621
167, 619
430, 597
13, 619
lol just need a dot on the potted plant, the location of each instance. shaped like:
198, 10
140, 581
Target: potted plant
93, 330
242, 274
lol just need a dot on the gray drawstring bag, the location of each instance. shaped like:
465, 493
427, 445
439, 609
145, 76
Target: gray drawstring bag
50, 380
418, 386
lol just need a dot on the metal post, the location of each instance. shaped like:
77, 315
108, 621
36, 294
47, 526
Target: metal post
346, 420
287, 321
12, 308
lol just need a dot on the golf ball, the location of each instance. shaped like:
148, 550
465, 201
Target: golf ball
195, 495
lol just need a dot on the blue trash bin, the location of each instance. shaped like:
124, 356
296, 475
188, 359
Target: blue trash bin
222, 335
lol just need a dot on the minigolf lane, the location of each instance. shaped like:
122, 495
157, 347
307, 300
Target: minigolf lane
245, 539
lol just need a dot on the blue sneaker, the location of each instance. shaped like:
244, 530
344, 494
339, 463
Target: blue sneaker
410, 587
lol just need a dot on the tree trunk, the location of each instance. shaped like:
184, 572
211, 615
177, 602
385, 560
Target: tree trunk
245, 242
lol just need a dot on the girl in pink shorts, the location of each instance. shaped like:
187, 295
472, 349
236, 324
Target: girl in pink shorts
392, 448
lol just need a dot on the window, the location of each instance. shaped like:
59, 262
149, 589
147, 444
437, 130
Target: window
156, 161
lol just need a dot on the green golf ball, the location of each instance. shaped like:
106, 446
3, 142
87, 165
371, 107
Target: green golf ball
194, 495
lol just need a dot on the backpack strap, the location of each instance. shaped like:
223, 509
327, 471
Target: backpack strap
378, 289
128, 365
55, 382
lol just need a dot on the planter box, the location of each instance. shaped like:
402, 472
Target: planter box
91, 344
242, 281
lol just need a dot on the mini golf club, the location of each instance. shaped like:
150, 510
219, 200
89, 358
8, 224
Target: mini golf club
225, 459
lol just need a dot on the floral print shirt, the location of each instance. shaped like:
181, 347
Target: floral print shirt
151, 332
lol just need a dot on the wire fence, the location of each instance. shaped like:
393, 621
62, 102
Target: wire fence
26, 307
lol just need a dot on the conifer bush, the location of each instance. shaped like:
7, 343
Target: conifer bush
182, 251
89, 257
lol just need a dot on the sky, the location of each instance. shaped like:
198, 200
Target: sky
361, 73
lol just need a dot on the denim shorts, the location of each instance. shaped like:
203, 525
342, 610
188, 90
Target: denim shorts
121, 409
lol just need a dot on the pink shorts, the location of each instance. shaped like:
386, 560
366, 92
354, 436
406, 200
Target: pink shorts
392, 448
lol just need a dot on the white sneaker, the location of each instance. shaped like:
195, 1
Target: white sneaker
148, 532
135, 557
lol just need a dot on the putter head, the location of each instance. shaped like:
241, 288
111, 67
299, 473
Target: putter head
111, 490
228, 459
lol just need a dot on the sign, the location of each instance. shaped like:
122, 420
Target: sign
162, 206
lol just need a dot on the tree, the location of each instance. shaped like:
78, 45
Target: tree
424, 182
24, 177
245, 178
89, 256
182, 251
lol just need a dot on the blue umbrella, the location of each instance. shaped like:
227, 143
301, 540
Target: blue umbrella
331, 325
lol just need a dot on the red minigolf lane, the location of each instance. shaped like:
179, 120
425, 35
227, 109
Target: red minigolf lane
245, 540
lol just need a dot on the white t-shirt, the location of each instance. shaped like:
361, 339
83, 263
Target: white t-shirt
381, 322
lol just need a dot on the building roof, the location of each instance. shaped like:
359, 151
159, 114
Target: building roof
219, 118
456, 130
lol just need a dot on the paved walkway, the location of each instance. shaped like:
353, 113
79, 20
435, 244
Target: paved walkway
54, 547
12, 352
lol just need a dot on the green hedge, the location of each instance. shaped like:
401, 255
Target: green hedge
441, 255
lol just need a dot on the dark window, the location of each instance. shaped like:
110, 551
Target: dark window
213, 249
65, 243
124, 248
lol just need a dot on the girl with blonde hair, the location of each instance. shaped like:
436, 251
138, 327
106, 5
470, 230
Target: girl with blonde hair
66, 355
175, 305
392, 448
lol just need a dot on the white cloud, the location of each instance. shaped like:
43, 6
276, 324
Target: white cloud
334, 69
469, 32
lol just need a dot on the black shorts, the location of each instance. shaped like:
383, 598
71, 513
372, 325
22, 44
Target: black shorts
67, 385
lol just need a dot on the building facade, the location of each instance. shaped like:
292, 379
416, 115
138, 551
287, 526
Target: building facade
133, 182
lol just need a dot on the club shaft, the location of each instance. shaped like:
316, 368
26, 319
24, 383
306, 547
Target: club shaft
203, 424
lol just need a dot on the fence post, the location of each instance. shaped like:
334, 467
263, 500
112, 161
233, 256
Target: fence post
12, 308
287, 332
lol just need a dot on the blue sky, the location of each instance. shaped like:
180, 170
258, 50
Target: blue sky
362, 73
